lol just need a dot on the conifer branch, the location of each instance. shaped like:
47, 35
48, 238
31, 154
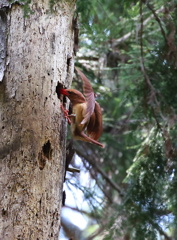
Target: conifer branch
127, 35
104, 175
158, 20
152, 96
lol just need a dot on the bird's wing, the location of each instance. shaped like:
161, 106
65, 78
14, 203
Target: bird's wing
90, 96
95, 127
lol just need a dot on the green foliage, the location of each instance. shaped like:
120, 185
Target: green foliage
137, 92
147, 181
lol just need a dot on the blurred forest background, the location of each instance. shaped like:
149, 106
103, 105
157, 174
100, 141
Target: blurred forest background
128, 51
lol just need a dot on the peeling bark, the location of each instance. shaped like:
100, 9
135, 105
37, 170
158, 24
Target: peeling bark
32, 128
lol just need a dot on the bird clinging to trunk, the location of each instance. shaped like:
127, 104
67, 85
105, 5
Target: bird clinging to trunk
86, 112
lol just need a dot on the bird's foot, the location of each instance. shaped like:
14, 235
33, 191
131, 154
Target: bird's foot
65, 111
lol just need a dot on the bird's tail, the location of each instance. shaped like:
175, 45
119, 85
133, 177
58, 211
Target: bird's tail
85, 138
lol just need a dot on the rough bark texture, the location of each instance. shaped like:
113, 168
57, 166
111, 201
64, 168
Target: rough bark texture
32, 127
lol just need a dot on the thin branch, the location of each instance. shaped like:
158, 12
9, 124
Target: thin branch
143, 69
126, 36
159, 229
95, 165
96, 233
158, 20
91, 215
93, 175
102, 188
88, 58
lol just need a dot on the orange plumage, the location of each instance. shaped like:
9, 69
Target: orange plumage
86, 112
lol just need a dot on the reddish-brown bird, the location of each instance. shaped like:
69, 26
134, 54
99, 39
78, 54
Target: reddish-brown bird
86, 112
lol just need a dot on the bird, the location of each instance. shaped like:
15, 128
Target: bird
86, 117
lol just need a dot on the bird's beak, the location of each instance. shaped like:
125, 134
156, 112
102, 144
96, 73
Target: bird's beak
63, 91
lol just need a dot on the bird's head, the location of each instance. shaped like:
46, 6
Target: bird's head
74, 95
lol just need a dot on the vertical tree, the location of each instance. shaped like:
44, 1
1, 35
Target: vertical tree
34, 54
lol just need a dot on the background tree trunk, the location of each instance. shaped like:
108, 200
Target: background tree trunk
32, 142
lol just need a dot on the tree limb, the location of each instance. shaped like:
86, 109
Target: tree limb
95, 165
127, 35
158, 20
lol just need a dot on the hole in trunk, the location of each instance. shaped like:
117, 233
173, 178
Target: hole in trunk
47, 150
44, 155
60, 96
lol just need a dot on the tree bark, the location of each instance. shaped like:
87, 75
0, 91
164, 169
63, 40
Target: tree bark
32, 127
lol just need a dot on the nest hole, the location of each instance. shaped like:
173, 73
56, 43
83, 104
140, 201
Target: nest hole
47, 150
44, 155
60, 96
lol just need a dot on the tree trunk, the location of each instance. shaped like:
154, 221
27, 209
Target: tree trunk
32, 142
